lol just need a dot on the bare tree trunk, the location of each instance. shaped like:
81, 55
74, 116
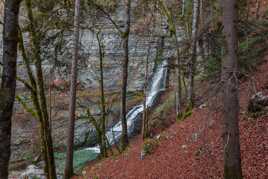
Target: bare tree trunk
179, 80
145, 121
41, 103
178, 66
8, 85
125, 36
258, 5
183, 8
68, 172
232, 159
103, 146
192, 64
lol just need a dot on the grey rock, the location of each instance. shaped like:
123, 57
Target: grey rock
33, 172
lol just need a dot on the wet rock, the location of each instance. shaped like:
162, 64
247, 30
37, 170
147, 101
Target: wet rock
33, 172
85, 134
184, 146
202, 106
257, 103
195, 137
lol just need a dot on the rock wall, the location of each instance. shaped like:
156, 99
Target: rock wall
141, 46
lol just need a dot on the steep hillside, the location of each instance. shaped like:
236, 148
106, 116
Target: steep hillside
193, 148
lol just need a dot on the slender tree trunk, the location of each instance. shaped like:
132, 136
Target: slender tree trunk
173, 31
103, 107
183, 8
258, 5
8, 85
125, 36
248, 9
179, 79
41, 103
68, 172
145, 121
232, 159
192, 64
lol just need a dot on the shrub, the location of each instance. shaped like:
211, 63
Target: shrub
149, 145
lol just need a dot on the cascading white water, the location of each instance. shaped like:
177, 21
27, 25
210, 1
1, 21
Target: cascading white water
158, 84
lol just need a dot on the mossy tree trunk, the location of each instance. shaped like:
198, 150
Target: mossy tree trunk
103, 145
38, 94
178, 63
145, 121
125, 40
8, 85
192, 62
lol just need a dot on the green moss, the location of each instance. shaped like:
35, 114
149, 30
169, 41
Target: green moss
149, 145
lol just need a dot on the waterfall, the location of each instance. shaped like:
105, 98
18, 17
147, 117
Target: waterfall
157, 85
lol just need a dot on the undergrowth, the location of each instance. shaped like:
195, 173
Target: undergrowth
251, 48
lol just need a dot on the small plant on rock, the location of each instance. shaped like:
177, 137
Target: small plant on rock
149, 146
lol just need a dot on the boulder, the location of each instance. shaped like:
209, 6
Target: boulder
33, 172
85, 134
257, 103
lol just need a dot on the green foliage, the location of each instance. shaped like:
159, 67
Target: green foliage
28, 157
266, 13
165, 106
107, 5
213, 67
187, 18
188, 112
149, 145
35, 177
243, 9
251, 48
168, 14
44, 6
251, 51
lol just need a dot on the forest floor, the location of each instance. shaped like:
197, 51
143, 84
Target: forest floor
193, 148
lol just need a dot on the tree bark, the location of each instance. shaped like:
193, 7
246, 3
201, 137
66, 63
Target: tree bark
183, 7
8, 85
258, 3
145, 124
103, 146
40, 98
192, 63
179, 79
178, 65
68, 172
125, 36
232, 159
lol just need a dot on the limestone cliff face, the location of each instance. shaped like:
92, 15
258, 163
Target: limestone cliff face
139, 44
142, 45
